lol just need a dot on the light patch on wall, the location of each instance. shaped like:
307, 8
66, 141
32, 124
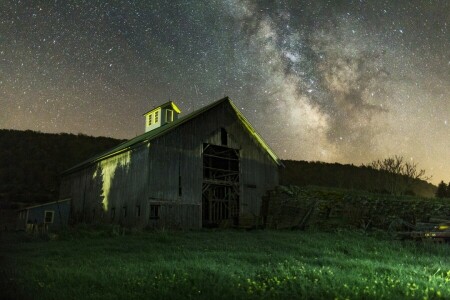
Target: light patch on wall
108, 169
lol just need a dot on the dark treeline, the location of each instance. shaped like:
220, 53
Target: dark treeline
443, 190
31, 163
305, 173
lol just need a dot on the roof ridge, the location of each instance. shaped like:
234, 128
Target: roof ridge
149, 135
170, 102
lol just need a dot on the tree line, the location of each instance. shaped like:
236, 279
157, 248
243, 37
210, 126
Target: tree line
31, 163
443, 190
392, 175
398, 175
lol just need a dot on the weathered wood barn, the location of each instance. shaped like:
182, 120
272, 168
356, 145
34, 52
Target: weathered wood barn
207, 168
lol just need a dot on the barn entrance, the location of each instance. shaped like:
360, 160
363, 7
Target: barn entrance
220, 191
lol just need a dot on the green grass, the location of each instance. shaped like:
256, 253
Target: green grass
223, 265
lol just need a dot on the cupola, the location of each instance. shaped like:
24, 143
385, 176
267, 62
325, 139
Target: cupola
161, 115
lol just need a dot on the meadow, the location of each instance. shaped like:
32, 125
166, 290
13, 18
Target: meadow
221, 264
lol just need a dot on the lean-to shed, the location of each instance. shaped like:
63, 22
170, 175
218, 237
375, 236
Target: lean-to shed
207, 168
51, 215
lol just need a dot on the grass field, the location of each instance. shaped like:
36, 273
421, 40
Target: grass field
222, 265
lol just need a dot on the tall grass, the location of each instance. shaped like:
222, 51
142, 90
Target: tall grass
223, 265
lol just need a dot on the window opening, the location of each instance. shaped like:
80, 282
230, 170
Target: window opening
223, 137
169, 115
154, 212
156, 116
150, 119
49, 214
138, 210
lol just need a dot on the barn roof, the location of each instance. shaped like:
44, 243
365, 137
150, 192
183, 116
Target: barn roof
167, 104
150, 135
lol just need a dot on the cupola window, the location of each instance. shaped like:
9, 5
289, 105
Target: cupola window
169, 115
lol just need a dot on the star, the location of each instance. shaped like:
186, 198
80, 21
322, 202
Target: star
355, 82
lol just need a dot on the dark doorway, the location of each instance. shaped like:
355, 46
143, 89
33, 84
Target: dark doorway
220, 192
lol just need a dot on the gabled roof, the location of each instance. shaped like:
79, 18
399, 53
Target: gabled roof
167, 104
150, 135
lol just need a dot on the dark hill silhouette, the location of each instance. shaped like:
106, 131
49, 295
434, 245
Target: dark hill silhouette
303, 173
31, 163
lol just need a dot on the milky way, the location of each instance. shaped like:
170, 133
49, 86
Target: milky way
345, 81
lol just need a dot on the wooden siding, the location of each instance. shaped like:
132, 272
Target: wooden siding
152, 174
36, 215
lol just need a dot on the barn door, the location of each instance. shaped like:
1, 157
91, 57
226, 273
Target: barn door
220, 192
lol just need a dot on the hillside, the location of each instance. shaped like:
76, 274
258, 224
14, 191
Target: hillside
31, 162
303, 173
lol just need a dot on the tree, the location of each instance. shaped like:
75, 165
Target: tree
442, 189
398, 174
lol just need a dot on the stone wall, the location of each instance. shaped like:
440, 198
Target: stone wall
321, 208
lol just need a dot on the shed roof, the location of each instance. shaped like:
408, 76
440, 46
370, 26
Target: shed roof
150, 135
44, 204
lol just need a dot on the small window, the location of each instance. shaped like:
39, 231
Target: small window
113, 213
49, 216
138, 210
156, 116
124, 212
180, 191
223, 136
154, 212
169, 115
150, 117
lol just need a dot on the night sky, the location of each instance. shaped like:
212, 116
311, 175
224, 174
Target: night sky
335, 81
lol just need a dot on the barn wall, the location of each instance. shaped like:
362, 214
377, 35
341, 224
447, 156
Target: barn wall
74, 187
179, 153
173, 182
114, 184
168, 172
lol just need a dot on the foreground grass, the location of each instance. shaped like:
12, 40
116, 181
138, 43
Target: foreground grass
223, 265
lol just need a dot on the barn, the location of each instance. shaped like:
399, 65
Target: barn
208, 168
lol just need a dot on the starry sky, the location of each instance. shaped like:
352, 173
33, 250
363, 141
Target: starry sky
335, 81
